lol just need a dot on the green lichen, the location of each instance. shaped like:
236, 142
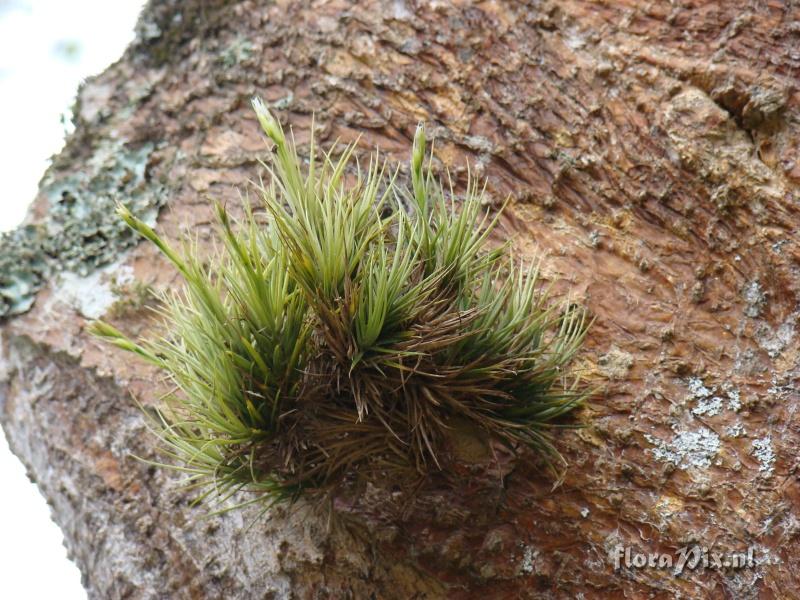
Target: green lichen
22, 268
236, 52
81, 231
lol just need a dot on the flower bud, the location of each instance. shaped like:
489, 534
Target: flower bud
418, 152
268, 123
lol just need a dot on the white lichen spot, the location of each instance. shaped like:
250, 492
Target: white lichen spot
688, 449
777, 246
790, 525
754, 297
528, 557
763, 556
697, 389
92, 295
584, 512
574, 39
708, 407
735, 431
764, 454
400, 11
734, 399
780, 390
775, 341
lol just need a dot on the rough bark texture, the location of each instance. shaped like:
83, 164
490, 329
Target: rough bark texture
651, 152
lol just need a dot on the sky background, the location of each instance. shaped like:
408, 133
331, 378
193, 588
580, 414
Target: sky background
46, 48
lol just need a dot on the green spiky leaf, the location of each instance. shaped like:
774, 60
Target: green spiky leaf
337, 335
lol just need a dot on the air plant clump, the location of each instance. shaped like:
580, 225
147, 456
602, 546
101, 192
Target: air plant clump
347, 327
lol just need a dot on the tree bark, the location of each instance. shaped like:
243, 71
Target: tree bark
651, 154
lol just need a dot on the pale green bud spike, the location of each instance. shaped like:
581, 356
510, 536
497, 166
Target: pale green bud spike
147, 232
418, 153
268, 123
417, 177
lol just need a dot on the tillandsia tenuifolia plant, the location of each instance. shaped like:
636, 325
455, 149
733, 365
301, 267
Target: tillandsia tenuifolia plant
347, 327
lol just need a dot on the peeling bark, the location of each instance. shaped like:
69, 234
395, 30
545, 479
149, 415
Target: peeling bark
651, 154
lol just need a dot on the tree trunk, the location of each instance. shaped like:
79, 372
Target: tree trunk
651, 154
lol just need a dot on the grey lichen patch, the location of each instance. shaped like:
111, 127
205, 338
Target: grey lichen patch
688, 449
764, 454
22, 267
698, 389
527, 564
83, 227
734, 398
81, 232
776, 340
89, 295
734, 431
754, 298
708, 407
99, 293
707, 404
779, 390
711, 401
238, 51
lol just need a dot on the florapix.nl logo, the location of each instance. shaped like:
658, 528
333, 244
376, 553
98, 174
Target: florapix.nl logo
689, 557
